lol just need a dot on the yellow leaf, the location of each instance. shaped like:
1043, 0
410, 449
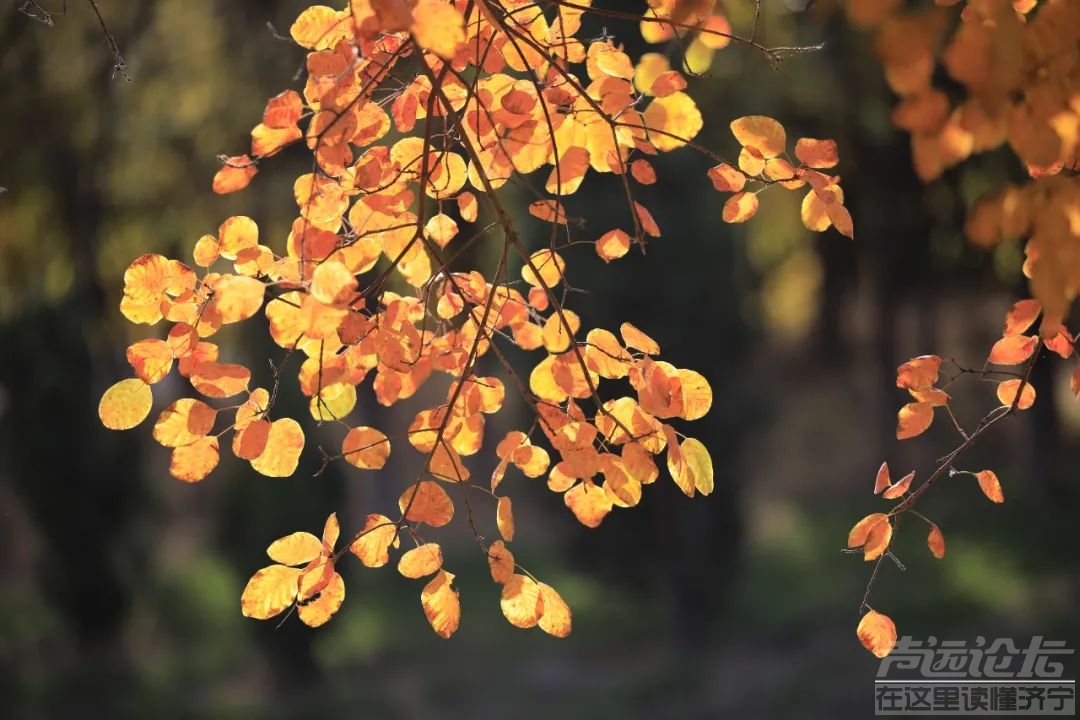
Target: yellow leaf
441, 605
372, 546
556, 618
438, 26
505, 519
125, 404
299, 548
283, 447
521, 601
184, 422
317, 608
421, 561
269, 591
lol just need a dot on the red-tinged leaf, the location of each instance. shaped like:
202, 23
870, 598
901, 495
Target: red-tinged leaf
990, 485
899, 488
817, 153
441, 604
235, 174
1021, 316
918, 373
1013, 349
643, 172
740, 207
877, 633
1007, 392
1061, 342
637, 340
913, 420
548, 210
882, 480
648, 223
726, 178
936, 542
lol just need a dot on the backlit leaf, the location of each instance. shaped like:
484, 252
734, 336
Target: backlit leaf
281, 454
936, 542
522, 602
500, 562
990, 485
556, 617
421, 561
194, 461
441, 605
372, 546
269, 592
125, 404
913, 419
877, 633
1007, 392
299, 548
427, 502
366, 448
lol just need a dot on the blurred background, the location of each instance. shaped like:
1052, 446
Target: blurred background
119, 586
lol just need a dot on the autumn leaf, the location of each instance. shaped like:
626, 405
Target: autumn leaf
877, 633
990, 485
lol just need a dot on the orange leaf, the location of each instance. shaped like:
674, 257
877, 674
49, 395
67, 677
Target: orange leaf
589, 503
913, 419
522, 602
1013, 349
882, 481
918, 373
500, 562
235, 174
740, 207
1021, 316
672, 121
877, 633
643, 172
125, 404
372, 546
421, 561
816, 153
194, 461
428, 503
366, 448
990, 485
1007, 391
936, 542
873, 534
613, 245
726, 178
760, 133
901, 486
441, 604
